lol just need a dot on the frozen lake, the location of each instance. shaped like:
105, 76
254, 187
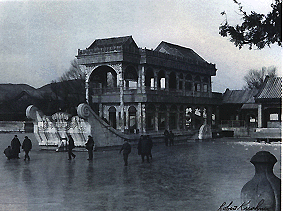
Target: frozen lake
191, 176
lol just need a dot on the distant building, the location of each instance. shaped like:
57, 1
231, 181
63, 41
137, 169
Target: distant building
238, 108
269, 100
253, 112
136, 89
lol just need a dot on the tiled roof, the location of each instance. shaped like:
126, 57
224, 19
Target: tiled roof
177, 50
239, 96
272, 89
107, 42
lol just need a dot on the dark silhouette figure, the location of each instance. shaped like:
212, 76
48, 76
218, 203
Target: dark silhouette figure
16, 146
150, 145
27, 146
9, 153
166, 137
71, 146
89, 146
144, 148
171, 138
126, 148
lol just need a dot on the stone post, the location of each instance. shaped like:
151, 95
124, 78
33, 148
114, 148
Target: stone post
263, 191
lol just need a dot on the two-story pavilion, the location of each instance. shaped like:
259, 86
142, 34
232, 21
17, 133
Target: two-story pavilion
137, 89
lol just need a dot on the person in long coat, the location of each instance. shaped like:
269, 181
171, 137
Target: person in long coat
144, 148
89, 146
150, 145
9, 153
171, 138
27, 146
126, 148
166, 137
16, 146
71, 146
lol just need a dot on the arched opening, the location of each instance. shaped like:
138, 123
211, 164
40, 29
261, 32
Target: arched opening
205, 84
132, 119
150, 117
149, 79
197, 83
181, 117
172, 81
188, 116
131, 77
162, 117
112, 116
173, 117
161, 81
198, 114
101, 78
181, 78
188, 82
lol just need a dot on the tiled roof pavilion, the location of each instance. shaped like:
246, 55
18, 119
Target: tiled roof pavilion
272, 89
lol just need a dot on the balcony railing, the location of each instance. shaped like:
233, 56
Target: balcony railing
233, 123
148, 90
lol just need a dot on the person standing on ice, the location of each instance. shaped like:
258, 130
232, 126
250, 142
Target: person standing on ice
71, 146
27, 146
89, 146
16, 146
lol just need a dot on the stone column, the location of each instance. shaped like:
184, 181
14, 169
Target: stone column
178, 119
193, 117
208, 115
121, 86
167, 118
139, 117
118, 123
141, 79
86, 92
166, 81
259, 116
155, 81
143, 117
156, 119
100, 110
127, 117
177, 82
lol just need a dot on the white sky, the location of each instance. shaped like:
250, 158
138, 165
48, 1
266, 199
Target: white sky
38, 39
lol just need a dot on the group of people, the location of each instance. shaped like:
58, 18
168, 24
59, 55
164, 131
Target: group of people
13, 151
89, 146
169, 138
145, 145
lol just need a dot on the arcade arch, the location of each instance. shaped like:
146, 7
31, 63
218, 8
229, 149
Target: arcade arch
130, 77
149, 78
112, 116
172, 81
161, 81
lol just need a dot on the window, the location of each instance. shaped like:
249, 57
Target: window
197, 87
188, 86
162, 83
274, 117
205, 88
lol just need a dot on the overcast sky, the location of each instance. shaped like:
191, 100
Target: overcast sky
38, 39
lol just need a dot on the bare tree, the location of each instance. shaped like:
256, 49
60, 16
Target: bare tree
73, 73
70, 88
255, 78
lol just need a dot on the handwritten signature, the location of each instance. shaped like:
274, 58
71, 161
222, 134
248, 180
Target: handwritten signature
243, 206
